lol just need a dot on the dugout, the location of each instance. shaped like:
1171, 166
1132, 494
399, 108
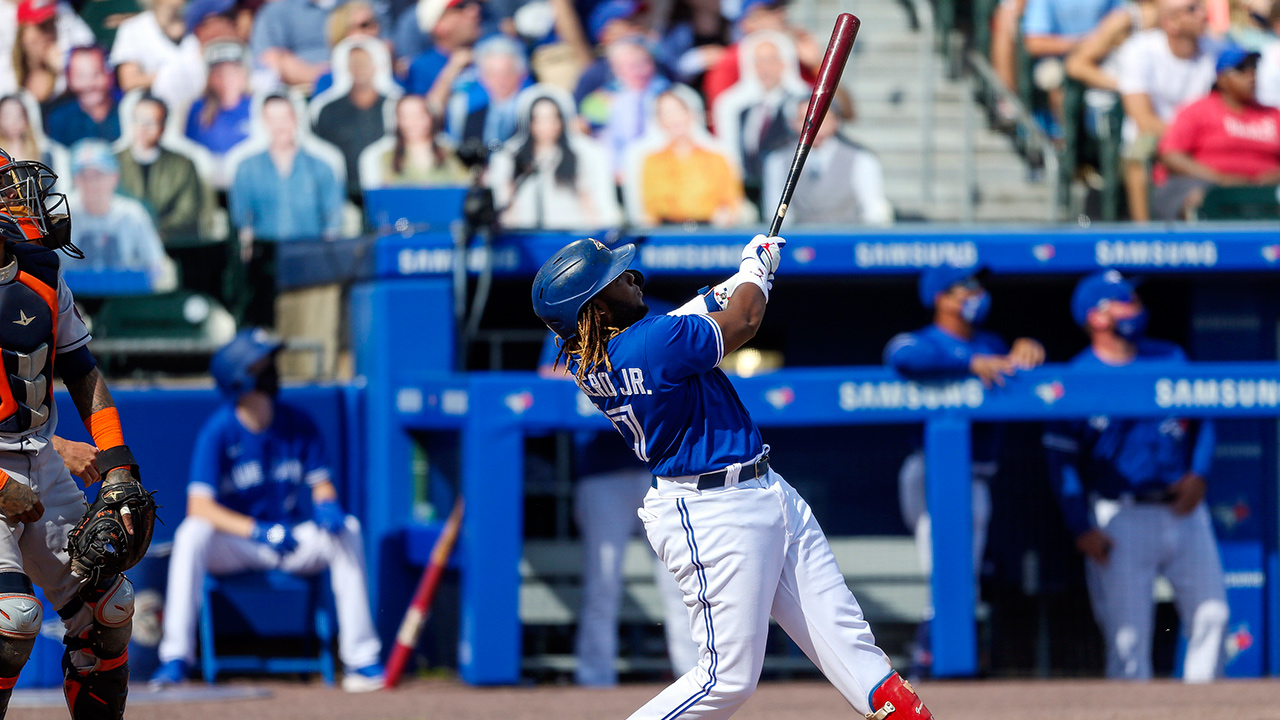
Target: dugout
839, 299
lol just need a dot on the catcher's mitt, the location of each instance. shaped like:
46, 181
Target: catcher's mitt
98, 544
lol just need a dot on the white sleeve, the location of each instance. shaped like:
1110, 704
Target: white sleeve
127, 46
72, 333
1132, 67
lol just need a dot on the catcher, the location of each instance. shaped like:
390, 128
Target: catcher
76, 552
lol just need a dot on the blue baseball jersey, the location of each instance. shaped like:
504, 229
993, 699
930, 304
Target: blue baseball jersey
1110, 457
597, 452
931, 354
267, 475
670, 401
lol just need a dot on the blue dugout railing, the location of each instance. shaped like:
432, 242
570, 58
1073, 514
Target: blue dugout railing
495, 411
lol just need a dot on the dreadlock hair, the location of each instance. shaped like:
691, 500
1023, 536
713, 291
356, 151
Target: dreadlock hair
590, 347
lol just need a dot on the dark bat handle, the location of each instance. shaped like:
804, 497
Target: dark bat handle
842, 37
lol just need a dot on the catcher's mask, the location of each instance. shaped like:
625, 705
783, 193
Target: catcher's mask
26, 196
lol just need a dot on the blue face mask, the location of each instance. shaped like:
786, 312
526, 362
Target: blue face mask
975, 308
1132, 328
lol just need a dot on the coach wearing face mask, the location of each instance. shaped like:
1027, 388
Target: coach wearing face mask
953, 347
1132, 493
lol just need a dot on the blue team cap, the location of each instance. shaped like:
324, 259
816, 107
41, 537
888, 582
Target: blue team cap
940, 279
200, 10
232, 366
1232, 56
1096, 288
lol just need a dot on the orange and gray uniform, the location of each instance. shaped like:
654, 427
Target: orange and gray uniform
40, 330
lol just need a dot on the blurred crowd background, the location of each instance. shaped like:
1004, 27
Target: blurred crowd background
196, 137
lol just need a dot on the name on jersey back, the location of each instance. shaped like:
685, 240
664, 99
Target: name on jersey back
601, 384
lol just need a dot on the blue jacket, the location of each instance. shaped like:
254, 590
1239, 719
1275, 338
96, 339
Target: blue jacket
1114, 457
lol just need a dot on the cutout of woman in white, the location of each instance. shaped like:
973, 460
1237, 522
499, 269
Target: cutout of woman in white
549, 176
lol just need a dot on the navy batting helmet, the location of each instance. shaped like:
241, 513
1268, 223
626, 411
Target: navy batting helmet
572, 277
231, 365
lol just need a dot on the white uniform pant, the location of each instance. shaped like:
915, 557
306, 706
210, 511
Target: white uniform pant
199, 549
913, 502
38, 549
741, 554
1151, 540
605, 508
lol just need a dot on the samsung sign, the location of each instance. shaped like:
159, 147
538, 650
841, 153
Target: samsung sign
915, 254
1156, 253
1226, 393
901, 395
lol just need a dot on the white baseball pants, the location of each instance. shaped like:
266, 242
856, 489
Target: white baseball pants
199, 549
740, 554
605, 508
1152, 540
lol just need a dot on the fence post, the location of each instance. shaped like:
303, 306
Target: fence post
949, 483
489, 641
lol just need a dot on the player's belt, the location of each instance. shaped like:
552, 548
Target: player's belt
717, 479
1162, 496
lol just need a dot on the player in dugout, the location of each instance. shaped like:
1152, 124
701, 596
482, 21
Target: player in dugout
1132, 492
741, 542
953, 346
261, 497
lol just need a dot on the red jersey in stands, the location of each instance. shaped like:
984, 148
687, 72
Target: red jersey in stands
1244, 142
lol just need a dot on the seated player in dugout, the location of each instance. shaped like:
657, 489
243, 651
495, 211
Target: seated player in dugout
261, 497
1132, 493
52, 538
953, 346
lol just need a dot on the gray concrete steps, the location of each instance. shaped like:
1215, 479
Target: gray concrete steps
885, 77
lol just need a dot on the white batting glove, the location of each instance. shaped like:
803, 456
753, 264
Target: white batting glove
765, 250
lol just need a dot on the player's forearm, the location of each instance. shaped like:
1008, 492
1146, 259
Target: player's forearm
222, 518
920, 362
1202, 456
740, 321
90, 394
1068, 489
98, 411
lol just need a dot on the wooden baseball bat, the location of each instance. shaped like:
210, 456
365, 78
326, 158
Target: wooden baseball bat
842, 37
420, 607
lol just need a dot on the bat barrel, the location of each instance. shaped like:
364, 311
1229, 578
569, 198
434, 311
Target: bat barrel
838, 49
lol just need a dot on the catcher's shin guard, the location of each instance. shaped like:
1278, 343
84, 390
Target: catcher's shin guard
895, 699
95, 667
20, 615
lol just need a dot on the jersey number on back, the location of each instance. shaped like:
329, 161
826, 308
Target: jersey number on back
624, 418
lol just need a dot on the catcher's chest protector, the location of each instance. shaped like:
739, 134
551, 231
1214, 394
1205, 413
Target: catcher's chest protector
28, 329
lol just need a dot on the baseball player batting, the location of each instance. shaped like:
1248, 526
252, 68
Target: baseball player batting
741, 542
